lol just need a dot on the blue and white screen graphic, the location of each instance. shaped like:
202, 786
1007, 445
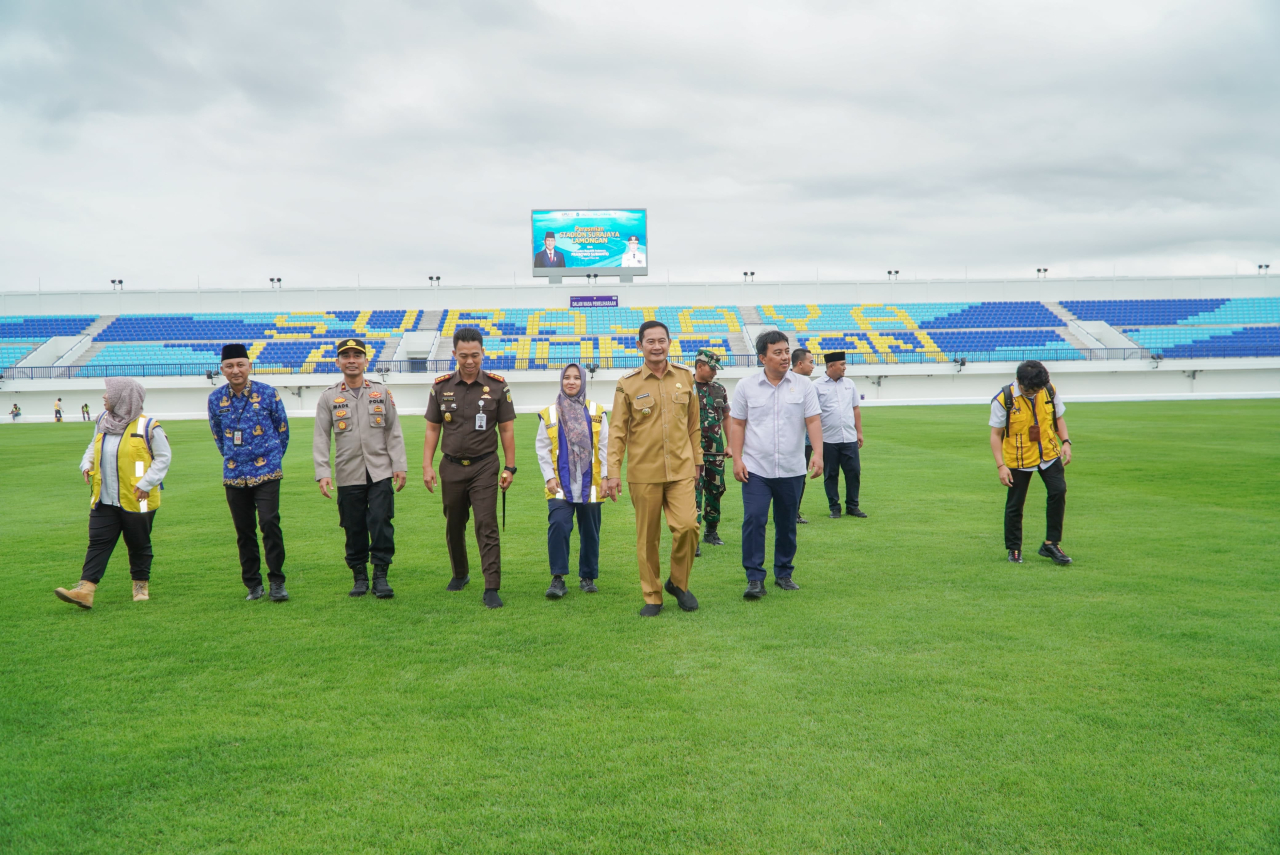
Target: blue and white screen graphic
585, 240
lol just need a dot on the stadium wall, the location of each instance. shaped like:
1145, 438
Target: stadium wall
638, 294
881, 385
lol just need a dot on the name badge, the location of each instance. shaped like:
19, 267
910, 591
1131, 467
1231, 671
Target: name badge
481, 421
237, 438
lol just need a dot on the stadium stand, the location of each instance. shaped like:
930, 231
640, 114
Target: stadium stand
40, 328
1178, 329
910, 316
12, 354
521, 339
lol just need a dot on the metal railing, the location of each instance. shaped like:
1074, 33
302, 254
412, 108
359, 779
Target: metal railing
735, 360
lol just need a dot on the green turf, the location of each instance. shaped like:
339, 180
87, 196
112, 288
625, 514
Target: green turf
918, 694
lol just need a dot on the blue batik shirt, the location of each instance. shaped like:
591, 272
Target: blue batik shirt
258, 414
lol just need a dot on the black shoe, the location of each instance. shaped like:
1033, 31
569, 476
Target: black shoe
381, 589
556, 591
1015, 556
456, 584
755, 590
786, 584
1051, 550
651, 610
857, 512
712, 537
688, 602
255, 593
697, 552
491, 599
801, 520
587, 586
835, 515
278, 593
361, 586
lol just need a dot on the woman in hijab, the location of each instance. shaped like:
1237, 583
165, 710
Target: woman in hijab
124, 464
572, 447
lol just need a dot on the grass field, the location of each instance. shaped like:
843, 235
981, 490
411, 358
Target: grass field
919, 694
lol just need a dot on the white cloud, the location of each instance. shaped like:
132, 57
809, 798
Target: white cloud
240, 141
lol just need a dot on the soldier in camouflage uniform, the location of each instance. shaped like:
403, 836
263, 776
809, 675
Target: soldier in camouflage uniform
713, 403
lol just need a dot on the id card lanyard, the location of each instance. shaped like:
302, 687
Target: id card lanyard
237, 434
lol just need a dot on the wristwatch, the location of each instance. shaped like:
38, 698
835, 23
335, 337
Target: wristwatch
510, 469
1066, 442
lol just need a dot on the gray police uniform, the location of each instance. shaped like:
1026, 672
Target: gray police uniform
369, 447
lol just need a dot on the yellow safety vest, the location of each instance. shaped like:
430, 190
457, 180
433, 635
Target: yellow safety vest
1020, 450
550, 418
133, 458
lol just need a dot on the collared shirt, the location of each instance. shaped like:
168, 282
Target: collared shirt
775, 429
469, 413
655, 422
367, 438
258, 414
838, 398
999, 419
161, 456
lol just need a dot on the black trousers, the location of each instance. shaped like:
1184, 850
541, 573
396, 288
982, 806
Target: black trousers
106, 524
251, 507
840, 457
365, 512
1055, 484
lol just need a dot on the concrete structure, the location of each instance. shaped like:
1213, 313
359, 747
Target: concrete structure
1138, 378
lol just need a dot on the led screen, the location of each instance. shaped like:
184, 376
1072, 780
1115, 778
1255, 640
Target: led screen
590, 240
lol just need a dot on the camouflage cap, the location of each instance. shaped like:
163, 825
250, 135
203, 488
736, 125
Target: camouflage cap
708, 356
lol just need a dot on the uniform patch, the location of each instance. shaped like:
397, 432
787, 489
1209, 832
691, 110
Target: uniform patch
342, 425
377, 420
377, 408
448, 417
375, 394
340, 413
442, 378
339, 400
225, 402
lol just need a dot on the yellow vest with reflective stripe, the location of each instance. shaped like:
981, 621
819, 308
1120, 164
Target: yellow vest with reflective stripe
133, 458
1020, 450
550, 418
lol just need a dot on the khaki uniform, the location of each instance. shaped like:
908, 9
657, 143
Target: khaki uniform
369, 446
656, 422
366, 433
469, 415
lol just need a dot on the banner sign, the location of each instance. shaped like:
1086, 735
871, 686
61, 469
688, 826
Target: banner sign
590, 240
593, 302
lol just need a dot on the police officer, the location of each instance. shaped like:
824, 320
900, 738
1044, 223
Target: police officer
467, 406
713, 405
370, 455
655, 422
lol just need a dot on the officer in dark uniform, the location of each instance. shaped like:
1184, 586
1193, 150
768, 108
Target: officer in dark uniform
467, 406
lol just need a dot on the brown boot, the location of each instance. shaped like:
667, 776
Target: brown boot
140, 593
81, 595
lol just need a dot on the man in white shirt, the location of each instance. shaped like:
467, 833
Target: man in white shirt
768, 419
841, 435
633, 257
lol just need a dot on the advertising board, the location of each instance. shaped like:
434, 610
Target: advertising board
577, 242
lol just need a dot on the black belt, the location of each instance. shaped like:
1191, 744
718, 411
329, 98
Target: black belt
467, 461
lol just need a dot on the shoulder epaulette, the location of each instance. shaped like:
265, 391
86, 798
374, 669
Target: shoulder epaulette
497, 377
675, 364
442, 378
633, 372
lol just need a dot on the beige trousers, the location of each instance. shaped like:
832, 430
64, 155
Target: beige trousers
650, 500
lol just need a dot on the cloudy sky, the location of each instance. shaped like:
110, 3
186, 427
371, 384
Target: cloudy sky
321, 142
